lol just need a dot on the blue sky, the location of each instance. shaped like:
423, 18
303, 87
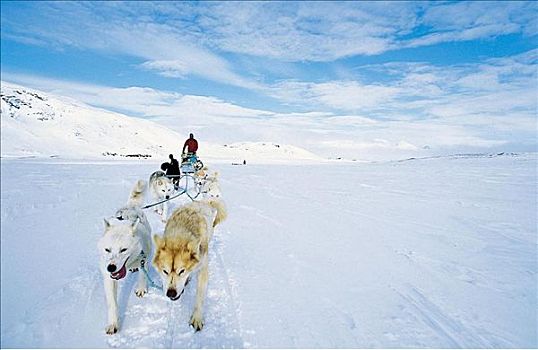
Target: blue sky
353, 76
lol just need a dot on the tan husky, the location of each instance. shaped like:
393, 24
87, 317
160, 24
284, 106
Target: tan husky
182, 250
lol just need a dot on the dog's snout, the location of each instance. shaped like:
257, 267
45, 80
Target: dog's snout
167, 197
111, 268
171, 293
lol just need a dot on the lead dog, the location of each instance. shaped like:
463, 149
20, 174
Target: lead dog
162, 188
182, 251
123, 247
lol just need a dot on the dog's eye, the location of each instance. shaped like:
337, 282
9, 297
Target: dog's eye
164, 191
180, 272
107, 250
165, 272
123, 250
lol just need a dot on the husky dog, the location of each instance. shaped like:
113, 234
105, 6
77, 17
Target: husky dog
209, 185
201, 174
161, 188
132, 210
182, 250
123, 247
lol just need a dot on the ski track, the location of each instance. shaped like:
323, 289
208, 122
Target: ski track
451, 331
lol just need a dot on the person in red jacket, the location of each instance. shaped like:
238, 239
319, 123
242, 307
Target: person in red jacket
191, 145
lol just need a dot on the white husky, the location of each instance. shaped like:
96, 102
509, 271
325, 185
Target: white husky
124, 246
209, 185
162, 188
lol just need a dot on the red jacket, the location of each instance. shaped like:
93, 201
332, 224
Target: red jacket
192, 145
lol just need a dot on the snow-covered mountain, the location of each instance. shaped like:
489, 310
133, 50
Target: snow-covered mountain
39, 124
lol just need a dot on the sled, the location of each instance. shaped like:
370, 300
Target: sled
190, 164
186, 183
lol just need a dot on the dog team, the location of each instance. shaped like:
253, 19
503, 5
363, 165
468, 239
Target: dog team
178, 254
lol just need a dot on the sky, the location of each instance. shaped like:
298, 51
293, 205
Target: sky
337, 78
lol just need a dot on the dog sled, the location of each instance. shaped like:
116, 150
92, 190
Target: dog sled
190, 163
185, 184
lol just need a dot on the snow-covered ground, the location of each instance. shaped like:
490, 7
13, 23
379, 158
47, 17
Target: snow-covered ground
437, 252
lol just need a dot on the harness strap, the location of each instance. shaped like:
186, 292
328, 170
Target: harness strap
161, 202
143, 268
183, 191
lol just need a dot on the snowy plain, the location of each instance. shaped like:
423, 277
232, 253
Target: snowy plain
437, 252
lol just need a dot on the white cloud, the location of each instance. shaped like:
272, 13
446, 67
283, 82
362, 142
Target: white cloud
170, 68
178, 38
497, 87
345, 95
304, 31
475, 20
144, 101
166, 49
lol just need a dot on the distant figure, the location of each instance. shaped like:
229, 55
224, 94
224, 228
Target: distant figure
191, 145
244, 162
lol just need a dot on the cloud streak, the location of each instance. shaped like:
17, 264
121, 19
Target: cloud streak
99, 26
186, 38
497, 88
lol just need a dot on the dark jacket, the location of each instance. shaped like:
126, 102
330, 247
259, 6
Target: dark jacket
173, 168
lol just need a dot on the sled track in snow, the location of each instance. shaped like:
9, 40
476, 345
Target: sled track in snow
154, 321
448, 328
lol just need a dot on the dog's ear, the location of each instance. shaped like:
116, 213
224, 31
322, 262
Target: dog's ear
107, 224
159, 242
195, 248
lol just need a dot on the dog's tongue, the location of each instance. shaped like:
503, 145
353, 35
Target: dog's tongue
120, 274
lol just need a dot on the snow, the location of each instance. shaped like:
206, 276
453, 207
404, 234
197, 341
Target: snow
437, 252
37, 124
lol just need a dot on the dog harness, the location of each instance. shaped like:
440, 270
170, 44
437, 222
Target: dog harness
143, 258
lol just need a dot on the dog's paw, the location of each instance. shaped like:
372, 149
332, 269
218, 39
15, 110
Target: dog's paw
111, 329
197, 323
140, 292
